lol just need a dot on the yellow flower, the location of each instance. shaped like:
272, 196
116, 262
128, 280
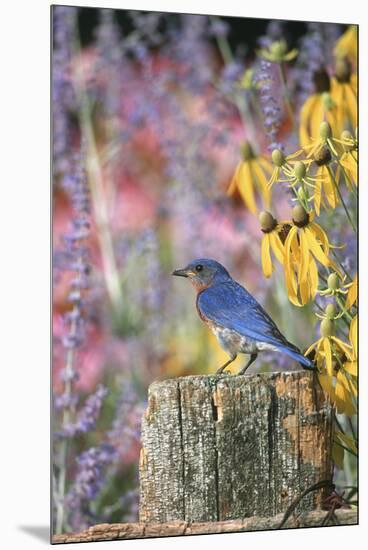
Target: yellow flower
273, 236
333, 357
282, 164
251, 173
344, 94
305, 244
324, 139
277, 52
317, 108
347, 44
346, 379
349, 159
325, 181
352, 294
246, 81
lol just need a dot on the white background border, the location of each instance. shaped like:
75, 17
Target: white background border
25, 270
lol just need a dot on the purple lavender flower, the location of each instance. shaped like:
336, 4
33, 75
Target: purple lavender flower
87, 417
274, 32
219, 27
188, 46
126, 427
63, 97
110, 62
310, 60
270, 108
92, 467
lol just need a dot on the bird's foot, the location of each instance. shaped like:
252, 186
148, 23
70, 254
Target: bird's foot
222, 371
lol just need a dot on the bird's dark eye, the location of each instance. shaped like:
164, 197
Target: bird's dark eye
199, 267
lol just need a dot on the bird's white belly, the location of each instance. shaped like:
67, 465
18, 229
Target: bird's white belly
234, 343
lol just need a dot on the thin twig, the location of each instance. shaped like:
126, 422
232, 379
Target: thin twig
315, 487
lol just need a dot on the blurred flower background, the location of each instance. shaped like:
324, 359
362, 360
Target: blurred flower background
171, 133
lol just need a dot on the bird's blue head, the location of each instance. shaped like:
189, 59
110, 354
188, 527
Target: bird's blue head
203, 273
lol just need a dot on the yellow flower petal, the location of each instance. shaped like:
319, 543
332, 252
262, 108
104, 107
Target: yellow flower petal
316, 117
315, 248
267, 266
327, 386
328, 356
351, 367
344, 347
263, 182
277, 246
343, 399
304, 255
234, 181
338, 455
352, 105
347, 440
313, 277
290, 279
353, 335
245, 187
329, 187
352, 294
321, 235
347, 44
305, 114
318, 194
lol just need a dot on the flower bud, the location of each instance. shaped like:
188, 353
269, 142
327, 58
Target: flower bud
278, 49
267, 221
327, 328
327, 101
278, 157
247, 151
333, 281
325, 130
300, 170
300, 216
330, 311
247, 79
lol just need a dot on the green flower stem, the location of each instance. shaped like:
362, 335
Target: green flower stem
340, 265
256, 105
341, 199
239, 99
303, 203
352, 428
338, 300
99, 199
286, 92
64, 444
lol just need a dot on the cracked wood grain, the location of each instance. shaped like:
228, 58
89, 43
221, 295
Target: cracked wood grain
122, 531
217, 448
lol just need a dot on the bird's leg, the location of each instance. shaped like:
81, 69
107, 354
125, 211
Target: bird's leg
220, 370
253, 357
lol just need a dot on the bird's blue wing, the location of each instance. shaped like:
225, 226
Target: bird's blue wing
231, 306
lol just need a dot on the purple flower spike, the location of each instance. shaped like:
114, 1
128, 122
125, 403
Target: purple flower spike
89, 480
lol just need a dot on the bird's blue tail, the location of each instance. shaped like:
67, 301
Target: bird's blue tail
298, 356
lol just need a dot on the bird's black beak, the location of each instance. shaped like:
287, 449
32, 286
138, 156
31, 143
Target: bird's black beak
180, 273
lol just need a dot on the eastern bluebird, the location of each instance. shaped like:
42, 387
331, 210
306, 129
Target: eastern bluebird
238, 321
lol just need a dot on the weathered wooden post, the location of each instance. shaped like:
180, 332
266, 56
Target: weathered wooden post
226, 447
